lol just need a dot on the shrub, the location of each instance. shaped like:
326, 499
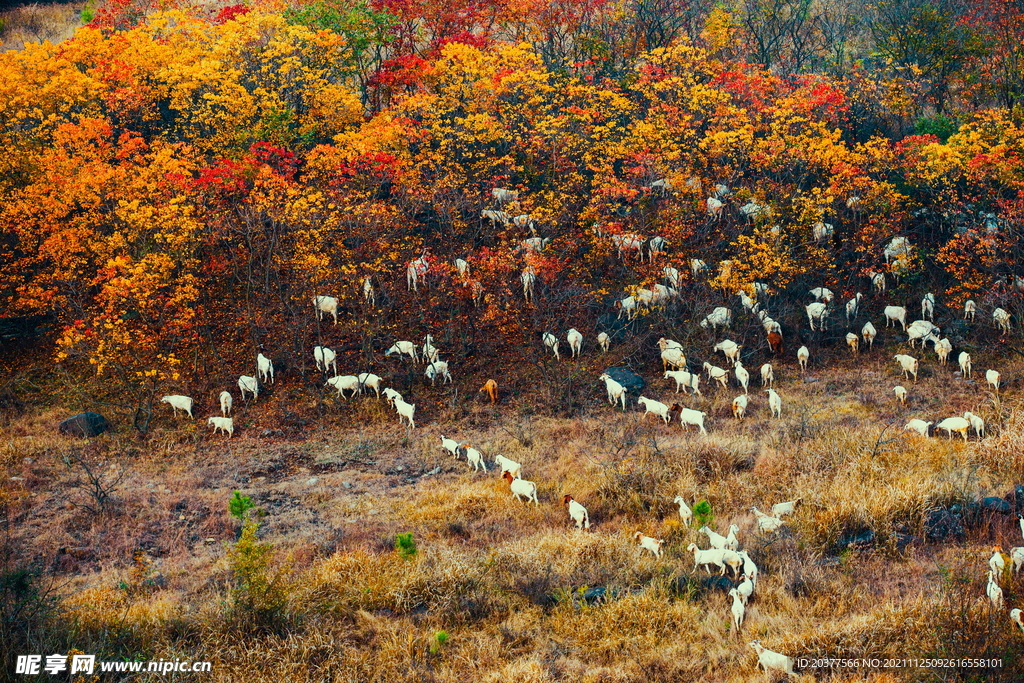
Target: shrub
239, 505
405, 544
261, 593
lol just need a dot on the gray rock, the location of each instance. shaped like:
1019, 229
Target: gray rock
87, 424
436, 470
712, 583
811, 380
346, 484
942, 524
312, 480
1018, 498
633, 382
865, 539
996, 504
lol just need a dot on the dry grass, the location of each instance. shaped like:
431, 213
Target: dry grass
36, 23
507, 581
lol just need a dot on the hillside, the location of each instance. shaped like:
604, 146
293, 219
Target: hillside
189, 190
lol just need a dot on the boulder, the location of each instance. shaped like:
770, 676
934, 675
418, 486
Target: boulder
1018, 498
87, 424
633, 382
861, 541
996, 504
942, 524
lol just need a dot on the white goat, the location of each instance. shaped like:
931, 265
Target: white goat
786, 508
264, 368
521, 487
604, 341
719, 317
416, 271
324, 358
1001, 318
769, 659
716, 373
225, 424
749, 568
390, 395
908, 364
954, 424
817, 311
714, 207
894, 313
225, 403
730, 348
369, 294
696, 266
965, 364
688, 416
943, 348
713, 556
649, 543
507, 465
368, 379
249, 384
438, 369
746, 587
716, 539
656, 407
575, 339
473, 457
616, 392
802, 356
852, 306
853, 341
551, 341
529, 278
504, 196
977, 424
767, 375
577, 512
822, 294
405, 410
429, 352
179, 402
928, 306
774, 403
685, 513
406, 348
742, 376
919, 426
822, 231
970, 308
766, 523
992, 378
994, 592
869, 333
685, 380
326, 304
877, 281
672, 276
344, 383
450, 445
737, 610
901, 394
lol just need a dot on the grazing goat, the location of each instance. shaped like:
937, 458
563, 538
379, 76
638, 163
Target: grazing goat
730, 348
716, 373
852, 306
604, 341
450, 445
344, 383
767, 375
179, 402
908, 364
943, 348
719, 317
716, 539
368, 379
521, 487
853, 341
713, 556
688, 416
928, 306
504, 196
822, 294
977, 424
954, 424
817, 311
822, 231
404, 348
490, 388
786, 508
577, 512
775, 341
649, 543
369, 294
529, 278
742, 376
1015, 617
901, 394
994, 592
226, 424
919, 426
766, 523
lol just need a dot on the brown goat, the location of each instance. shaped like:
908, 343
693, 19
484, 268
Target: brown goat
490, 388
